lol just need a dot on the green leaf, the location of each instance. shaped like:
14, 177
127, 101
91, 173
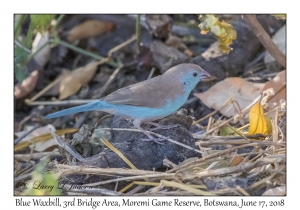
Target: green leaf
50, 180
20, 72
226, 131
41, 22
20, 60
20, 55
43, 183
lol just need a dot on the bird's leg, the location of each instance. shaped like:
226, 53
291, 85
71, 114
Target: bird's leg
159, 126
137, 124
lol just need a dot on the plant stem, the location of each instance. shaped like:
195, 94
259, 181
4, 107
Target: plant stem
29, 38
265, 39
18, 24
21, 46
60, 17
138, 32
37, 51
84, 52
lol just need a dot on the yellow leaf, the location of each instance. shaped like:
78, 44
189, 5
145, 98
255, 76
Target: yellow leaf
222, 31
259, 123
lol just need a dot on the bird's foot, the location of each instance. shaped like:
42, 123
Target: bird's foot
136, 124
158, 126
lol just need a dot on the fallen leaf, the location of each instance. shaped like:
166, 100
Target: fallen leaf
39, 138
27, 85
89, 28
39, 146
78, 77
244, 93
277, 191
54, 90
277, 82
236, 160
259, 123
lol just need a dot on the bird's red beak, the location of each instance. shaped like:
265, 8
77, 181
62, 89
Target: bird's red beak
205, 75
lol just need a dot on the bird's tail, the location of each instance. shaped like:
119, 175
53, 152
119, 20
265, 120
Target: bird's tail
82, 108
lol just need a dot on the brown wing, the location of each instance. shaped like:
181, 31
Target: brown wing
149, 93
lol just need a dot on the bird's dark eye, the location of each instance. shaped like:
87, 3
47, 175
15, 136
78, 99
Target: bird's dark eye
195, 74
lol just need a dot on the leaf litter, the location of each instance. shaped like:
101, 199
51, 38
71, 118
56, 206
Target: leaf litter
244, 158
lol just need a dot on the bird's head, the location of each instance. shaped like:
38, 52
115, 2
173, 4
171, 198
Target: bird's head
188, 74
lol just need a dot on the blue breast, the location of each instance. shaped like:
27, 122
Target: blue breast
144, 113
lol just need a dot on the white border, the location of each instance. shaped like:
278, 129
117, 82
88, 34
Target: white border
141, 7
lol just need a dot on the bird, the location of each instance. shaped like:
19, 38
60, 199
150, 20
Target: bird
148, 100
